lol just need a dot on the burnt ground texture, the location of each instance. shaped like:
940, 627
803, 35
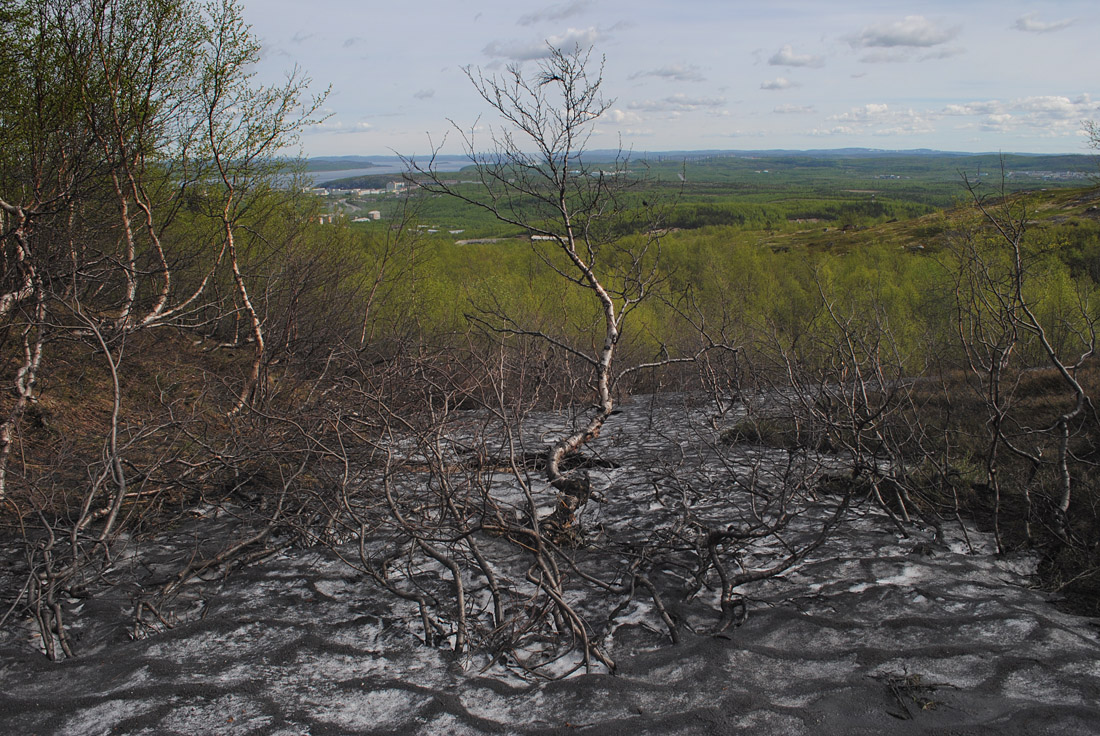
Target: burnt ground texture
878, 630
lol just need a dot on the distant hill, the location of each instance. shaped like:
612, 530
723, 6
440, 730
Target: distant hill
342, 163
823, 171
339, 163
1013, 160
605, 154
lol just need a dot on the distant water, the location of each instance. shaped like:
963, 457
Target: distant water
322, 177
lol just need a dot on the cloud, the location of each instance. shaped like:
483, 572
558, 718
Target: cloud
913, 31
778, 83
520, 51
1056, 107
515, 50
899, 55
353, 41
560, 11
1001, 123
1031, 24
974, 108
915, 125
787, 57
675, 72
864, 114
424, 94
879, 119
793, 109
678, 103
339, 127
887, 57
583, 37
300, 37
1046, 107
838, 130
623, 117
1040, 115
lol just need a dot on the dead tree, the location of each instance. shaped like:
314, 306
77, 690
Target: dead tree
536, 177
130, 113
451, 516
1004, 332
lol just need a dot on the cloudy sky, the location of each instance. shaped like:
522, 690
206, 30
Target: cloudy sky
964, 75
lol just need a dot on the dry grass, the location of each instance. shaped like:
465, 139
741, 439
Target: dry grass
954, 411
170, 395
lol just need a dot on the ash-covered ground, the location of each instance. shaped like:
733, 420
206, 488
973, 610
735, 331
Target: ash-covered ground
878, 630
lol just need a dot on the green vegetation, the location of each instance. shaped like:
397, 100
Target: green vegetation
791, 193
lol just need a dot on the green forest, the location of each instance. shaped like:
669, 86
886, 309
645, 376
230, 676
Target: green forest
178, 329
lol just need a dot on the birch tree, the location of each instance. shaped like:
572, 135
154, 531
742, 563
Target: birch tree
535, 175
118, 116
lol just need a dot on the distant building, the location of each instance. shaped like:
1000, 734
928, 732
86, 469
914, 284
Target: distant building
374, 215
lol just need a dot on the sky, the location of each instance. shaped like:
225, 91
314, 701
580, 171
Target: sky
965, 75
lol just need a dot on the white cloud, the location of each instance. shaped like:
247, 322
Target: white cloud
777, 84
678, 103
516, 50
891, 56
900, 55
623, 117
974, 108
787, 57
527, 51
838, 130
864, 114
912, 31
1056, 107
1044, 115
583, 37
334, 126
879, 119
1031, 24
424, 94
914, 126
675, 72
793, 109
560, 11
1051, 106
1001, 123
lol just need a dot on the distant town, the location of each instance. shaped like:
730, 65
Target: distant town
393, 187
343, 208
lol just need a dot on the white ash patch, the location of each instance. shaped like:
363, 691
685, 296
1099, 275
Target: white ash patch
306, 643
369, 710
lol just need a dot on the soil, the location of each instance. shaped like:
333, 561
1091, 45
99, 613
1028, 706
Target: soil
879, 630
